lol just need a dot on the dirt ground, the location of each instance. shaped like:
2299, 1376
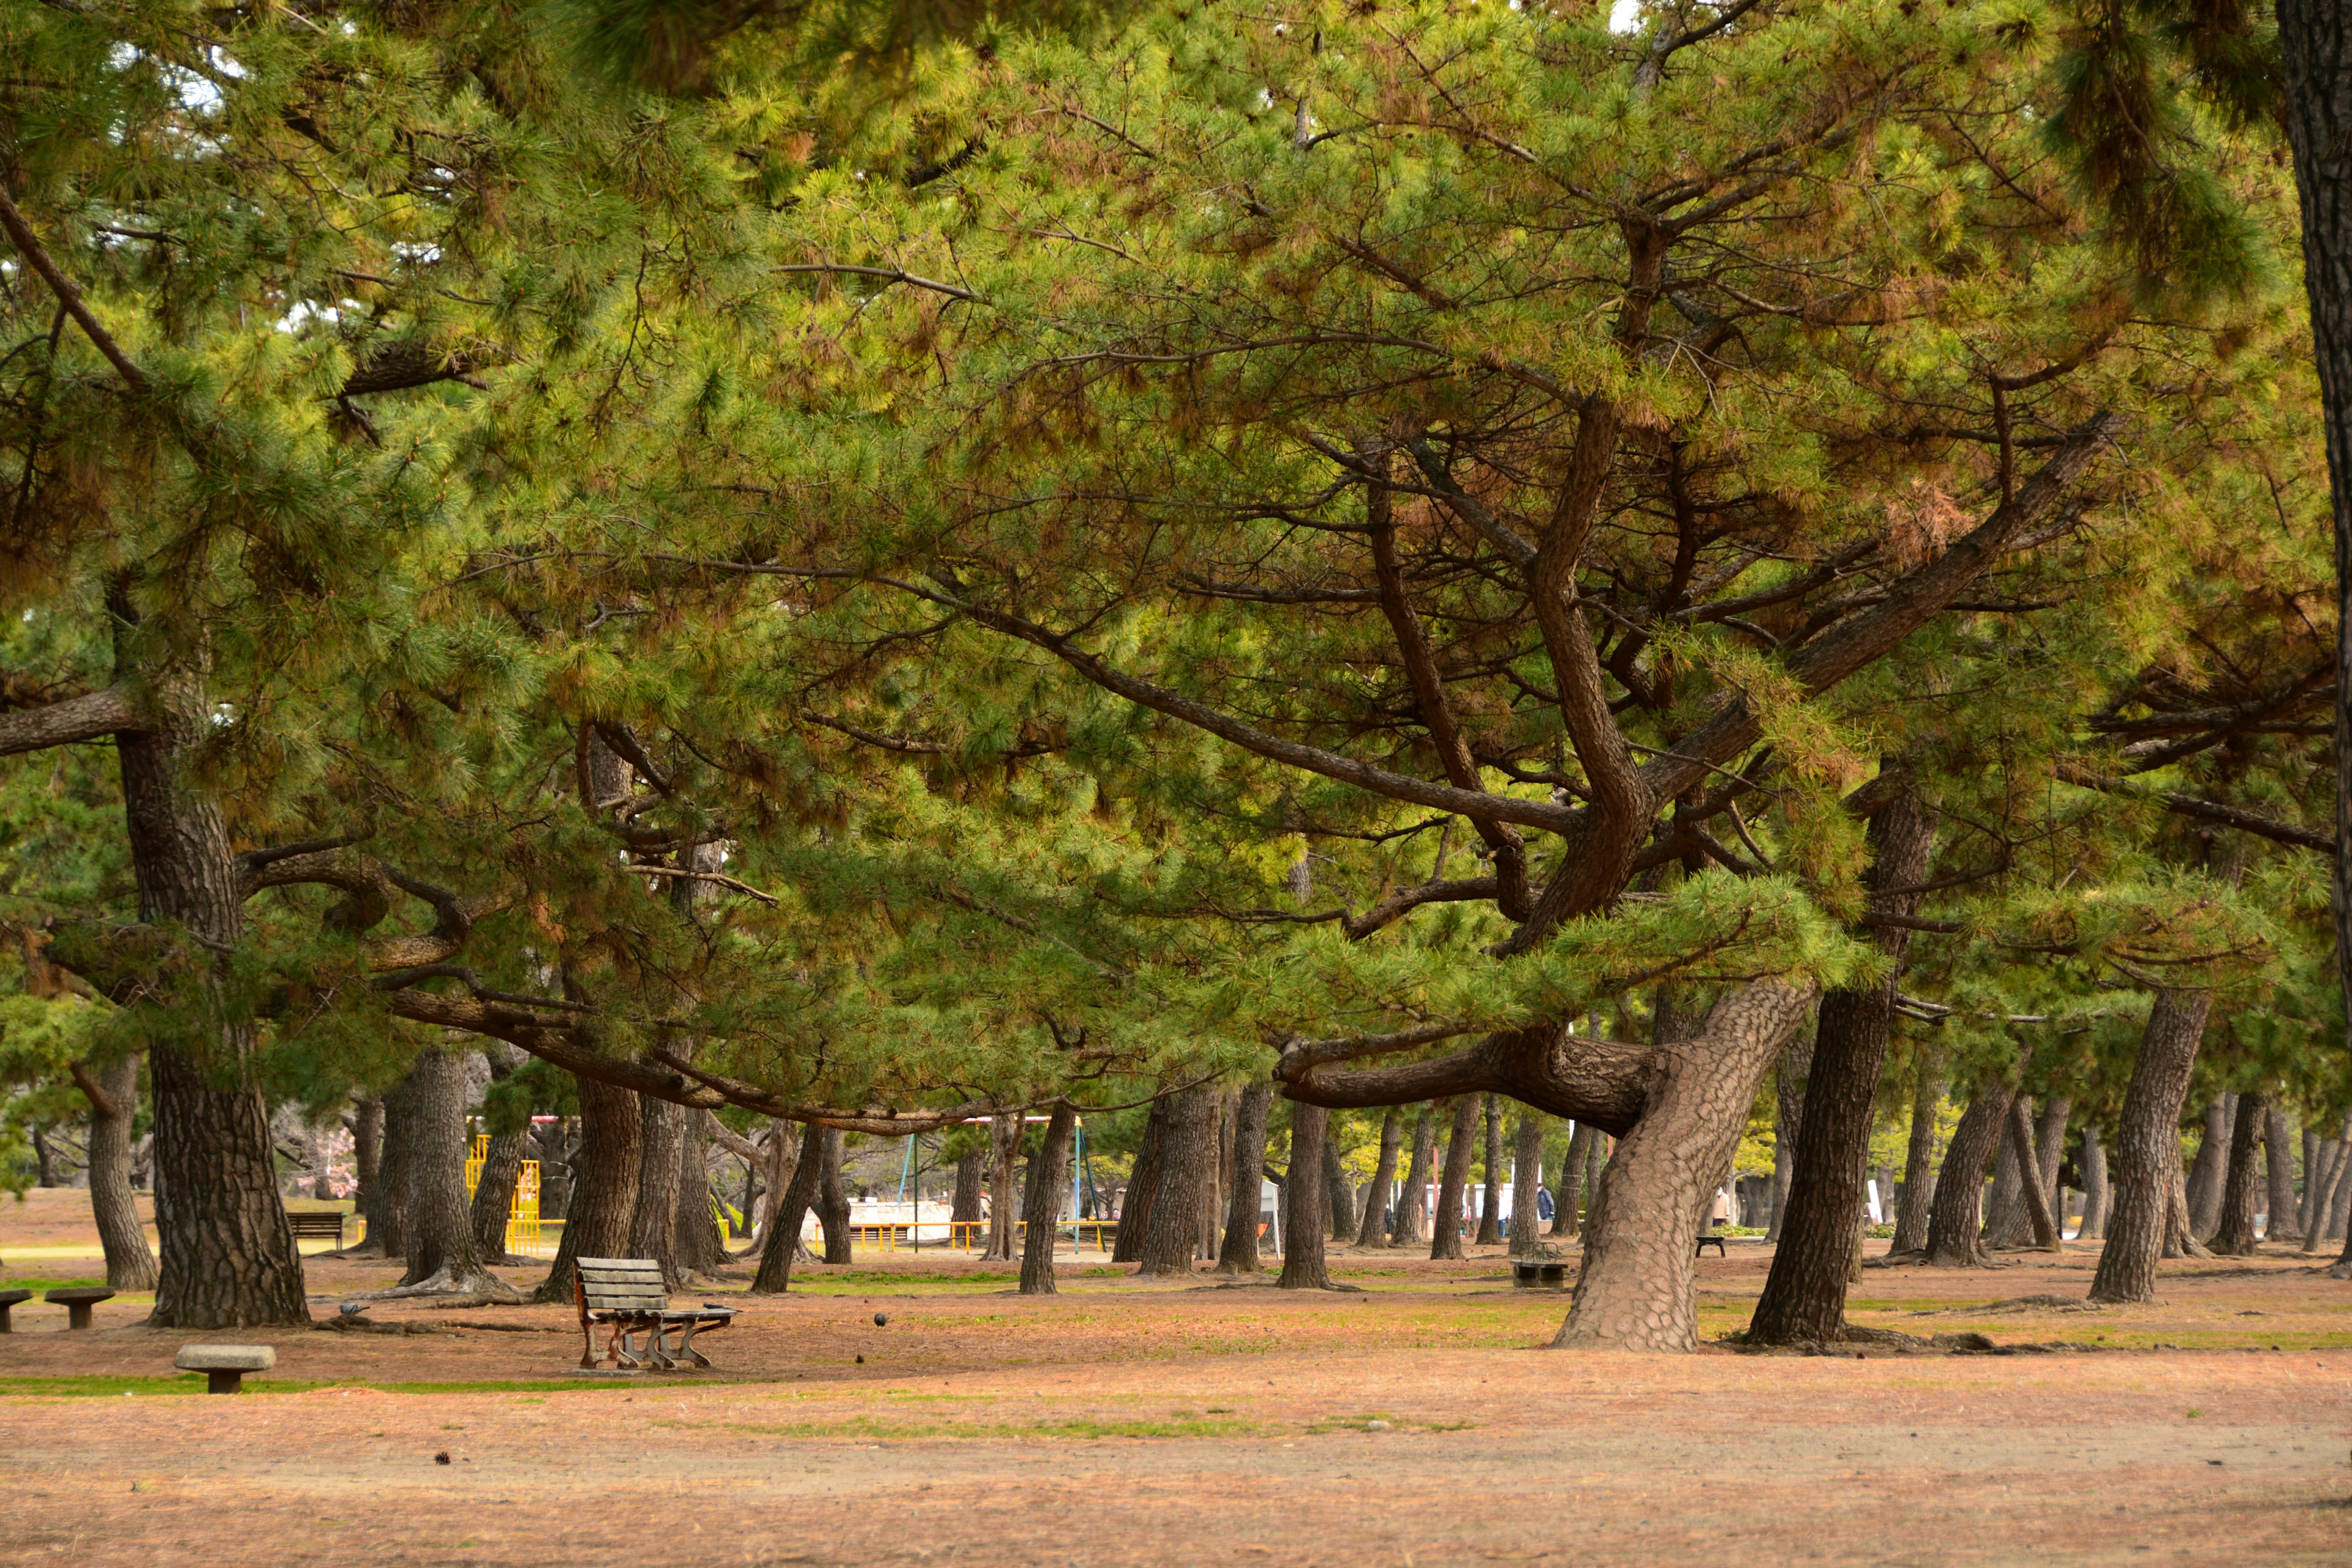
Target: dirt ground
1417, 1421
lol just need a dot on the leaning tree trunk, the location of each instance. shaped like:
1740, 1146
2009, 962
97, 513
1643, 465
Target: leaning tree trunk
2339, 1205
1004, 1209
1142, 1184
1635, 1289
2334, 1159
1188, 1145
1953, 1241
1446, 1224
604, 1188
1526, 1175
832, 1204
1374, 1230
2049, 1147
1412, 1207
2008, 1202
2036, 1202
228, 1254
2315, 52
2278, 1166
783, 1244
1049, 1177
1787, 1115
1919, 1167
493, 1201
2148, 1144
442, 1257
1239, 1253
1568, 1203
2096, 1192
1303, 1204
1804, 1294
113, 1094
1490, 1191
2235, 1236
2212, 1165
653, 1226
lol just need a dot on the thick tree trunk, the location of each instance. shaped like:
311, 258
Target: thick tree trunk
1004, 1206
1953, 1238
1634, 1292
1412, 1205
1239, 1254
367, 1155
2317, 1154
2321, 1189
783, 1242
1803, 1299
1142, 1184
2234, 1236
2007, 1205
1446, 1222
1338, 1200
2339, 1204
2278, 1166
1788, 1116
493, 1200
701, 1245
605, 1183
653, 1226
2179, 1241
1188, 1147
2315, 50
833, 1203
554, 1146
2035, 1200
1302, 1204
1490, 1192
1526, 1175
1568, 1203
442, 1257
1377, 1208
2096, 1194
2049, 1146
112, 1091
1049, 1178
388, 1224
964, 1208
1918, 1166
2212, 1165
2148, 1143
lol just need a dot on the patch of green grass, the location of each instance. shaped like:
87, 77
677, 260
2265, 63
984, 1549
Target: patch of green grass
32, 1282
97, 1385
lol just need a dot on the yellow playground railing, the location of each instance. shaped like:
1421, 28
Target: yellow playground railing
972, 1236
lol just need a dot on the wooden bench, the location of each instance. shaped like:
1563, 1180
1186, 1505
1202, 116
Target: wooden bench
625, 1297
311, 1226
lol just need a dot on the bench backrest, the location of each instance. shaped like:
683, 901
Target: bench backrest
315, 1222
620, 1285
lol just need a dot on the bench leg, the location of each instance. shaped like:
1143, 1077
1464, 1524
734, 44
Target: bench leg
78, 1315
224, 1382
685, 1348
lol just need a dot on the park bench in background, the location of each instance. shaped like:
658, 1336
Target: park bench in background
225, 1366
1538, 1274
310, 1225
625, 1297
1708, 1239
77, 1301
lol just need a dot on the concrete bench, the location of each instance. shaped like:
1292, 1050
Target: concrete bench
8, 1302
78, 1299
1538, 1274
225, 1366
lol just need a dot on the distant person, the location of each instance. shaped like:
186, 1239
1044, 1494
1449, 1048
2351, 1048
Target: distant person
1544, 1206
1720, 1215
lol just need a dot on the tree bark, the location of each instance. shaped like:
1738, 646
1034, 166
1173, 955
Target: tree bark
2049, 1146
1490, 1191
833, 1203
2321, 1188
388, 1226
1188, 1145
964, 1209
2029, 1189
367, 1155
2235, 1236
1003, 1208
1142, 1184
1568, 1203
701, 1245
2339, 1203
1412, 1207
2096, 1194
1302, 1204
1803, 1299
1445, 1223
1049, 1178
113, 1091
1918, 1166
1378, 1208
1788, 1116
2212, 1164
605, 1183
555, 1145
1953, 1238
2278, 1166
2008, 1202
1526, 1175
2147, 1142
2317, 1154
1338, 1201
783, 1244
652, 1225
2315, 51
442, 1257
493, 1200
1239, 1254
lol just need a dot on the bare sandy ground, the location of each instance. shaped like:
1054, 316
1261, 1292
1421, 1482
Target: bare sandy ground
1417, 1423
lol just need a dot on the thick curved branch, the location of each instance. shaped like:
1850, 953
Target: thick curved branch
90, 717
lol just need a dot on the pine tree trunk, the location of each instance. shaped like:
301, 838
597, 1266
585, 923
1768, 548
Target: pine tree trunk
1788, 1116
2049, 1146
1239, 1254
2319, 1187
2315, 50
1804, 1294
1142, 1184
388, 1226
1953, 1241
1049, 1178
1568, 1203
2179, 1241
783, 1242
367, 1155
1526, 1175
1461, 1144
442, 1257
701, 1245
1490, 1191
1919, 1167
964, 1208
2096, 1194
1634, 1292
2314, 1162
557, 1144
604, 1186
2278, 1167
2006, 1210
2147, 1142
2212, 1164
2339, 1203
1412, 1207
2235, 1236
1302, 1204
833, 1203
652, 1224
113, 1094
2036, 1201
1187, 1148
1339, 1202
1003, 1208
493, 1200
1377, 1208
